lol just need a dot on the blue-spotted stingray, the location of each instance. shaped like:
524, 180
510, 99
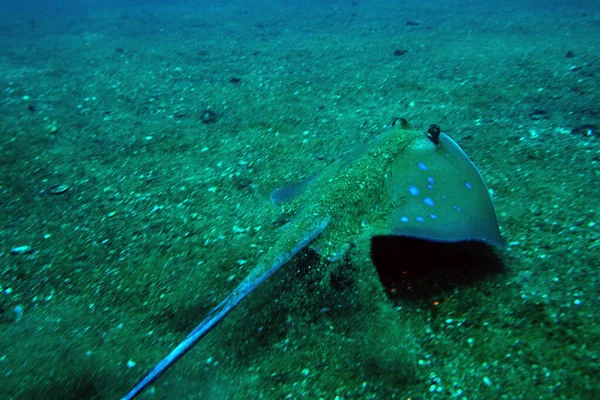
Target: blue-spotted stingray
403, 183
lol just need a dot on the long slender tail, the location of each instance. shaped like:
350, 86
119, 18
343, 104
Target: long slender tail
217, 314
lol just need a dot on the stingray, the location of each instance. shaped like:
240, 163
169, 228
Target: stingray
403, 183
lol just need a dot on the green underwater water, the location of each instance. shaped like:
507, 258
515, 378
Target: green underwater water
171, 125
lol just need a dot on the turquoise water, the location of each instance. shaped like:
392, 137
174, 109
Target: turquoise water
139, 143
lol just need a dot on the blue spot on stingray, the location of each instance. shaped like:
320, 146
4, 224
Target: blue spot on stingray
468, 185
456, 207
428, 201
420, 219
433, 216
413, 190
422, 166
430, 180
404, 219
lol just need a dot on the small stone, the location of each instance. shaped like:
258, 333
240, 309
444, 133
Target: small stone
18, 313
58, 189
130, 364
538, 114
21, 250
487, 381
208, 116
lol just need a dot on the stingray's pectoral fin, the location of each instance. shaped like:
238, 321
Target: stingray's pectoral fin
440, 195
257, 276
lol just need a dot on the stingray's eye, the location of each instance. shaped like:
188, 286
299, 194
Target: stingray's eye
401, 123
433, 133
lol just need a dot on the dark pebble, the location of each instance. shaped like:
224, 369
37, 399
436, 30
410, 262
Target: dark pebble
585, 130
58, 189
209, 116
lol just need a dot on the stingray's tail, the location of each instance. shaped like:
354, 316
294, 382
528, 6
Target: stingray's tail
217, 314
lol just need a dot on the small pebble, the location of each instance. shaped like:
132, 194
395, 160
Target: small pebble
58, 189
18, 311
21, 250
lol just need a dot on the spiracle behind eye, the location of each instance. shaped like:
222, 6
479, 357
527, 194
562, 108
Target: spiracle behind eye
401, 123
433, 133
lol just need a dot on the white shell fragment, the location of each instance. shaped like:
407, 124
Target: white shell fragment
21, 250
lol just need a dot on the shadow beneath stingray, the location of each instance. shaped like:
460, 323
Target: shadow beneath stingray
412, 268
